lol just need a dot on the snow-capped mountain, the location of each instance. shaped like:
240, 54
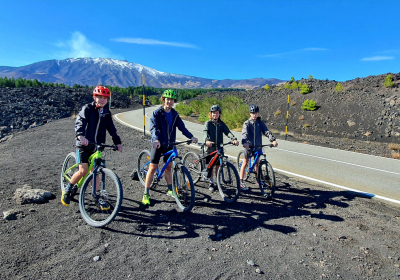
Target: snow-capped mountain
107, 71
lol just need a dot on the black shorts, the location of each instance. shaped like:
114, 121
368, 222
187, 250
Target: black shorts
155, 154
83, 154
249, 153
210, 157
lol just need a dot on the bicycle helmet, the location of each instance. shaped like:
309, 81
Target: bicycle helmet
101, 91
169, 93
254, 109
215, 108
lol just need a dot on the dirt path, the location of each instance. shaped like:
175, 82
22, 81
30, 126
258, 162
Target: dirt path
308, 232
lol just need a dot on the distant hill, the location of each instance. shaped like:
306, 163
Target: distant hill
95, 71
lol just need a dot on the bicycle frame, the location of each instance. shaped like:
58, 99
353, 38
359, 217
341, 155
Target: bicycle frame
93, 164
256, 157
173, 154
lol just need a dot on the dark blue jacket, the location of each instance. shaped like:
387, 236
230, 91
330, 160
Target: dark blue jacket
252, 131
93, 126
159, 127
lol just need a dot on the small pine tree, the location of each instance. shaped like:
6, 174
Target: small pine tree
305, 89
339, 87
294, 85
292, 79
279, 88
388, 81
287, 86
309, 105
310, 77
266, 87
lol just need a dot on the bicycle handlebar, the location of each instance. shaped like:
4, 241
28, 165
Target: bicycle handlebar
166, 145
114, 147
260, 146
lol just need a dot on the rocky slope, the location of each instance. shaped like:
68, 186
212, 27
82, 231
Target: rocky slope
365, 109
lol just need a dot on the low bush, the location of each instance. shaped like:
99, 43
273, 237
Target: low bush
154, 100
388, 81
304, 89
309, 105
277, 112
339, 87
183, 109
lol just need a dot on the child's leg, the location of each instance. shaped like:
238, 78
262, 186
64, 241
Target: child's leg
83, 169
243, 168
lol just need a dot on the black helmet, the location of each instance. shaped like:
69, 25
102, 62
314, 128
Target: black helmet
215, 108
254, 109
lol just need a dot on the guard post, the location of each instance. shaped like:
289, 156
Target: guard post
287, 117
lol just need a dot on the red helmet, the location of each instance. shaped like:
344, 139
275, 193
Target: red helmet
101, 91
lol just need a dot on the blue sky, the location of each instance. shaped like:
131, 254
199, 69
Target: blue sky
338, 40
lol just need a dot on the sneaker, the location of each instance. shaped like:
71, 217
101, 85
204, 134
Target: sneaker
171, 194
243, 186
66, 197
146, 199
104, 206
211, 187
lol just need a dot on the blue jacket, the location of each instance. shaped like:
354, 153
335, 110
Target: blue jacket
159, 127
93, 126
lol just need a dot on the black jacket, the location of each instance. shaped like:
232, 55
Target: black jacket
213, 131
159, 127
253, 130
93, 126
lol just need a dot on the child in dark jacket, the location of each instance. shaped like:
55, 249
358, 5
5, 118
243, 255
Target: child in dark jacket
213, 132
91, 125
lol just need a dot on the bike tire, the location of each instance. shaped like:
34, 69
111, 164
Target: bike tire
192, 162
239, 161
69, 161
110, 192
143, 165
229, 183
266, 179
183, 188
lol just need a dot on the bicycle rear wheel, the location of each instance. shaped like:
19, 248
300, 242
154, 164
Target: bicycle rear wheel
183, 188
192, 162
70, 161
239, 163
266, 179
228, 182
143, 166
100, 209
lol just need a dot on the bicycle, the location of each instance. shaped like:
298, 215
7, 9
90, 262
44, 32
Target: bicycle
99, 185
182, 183
265, 173
228, 181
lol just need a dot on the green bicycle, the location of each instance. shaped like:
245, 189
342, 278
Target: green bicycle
97, 187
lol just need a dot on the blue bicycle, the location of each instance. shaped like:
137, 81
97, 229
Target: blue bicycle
182, 183
264, 174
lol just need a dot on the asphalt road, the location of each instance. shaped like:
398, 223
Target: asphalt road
374, 176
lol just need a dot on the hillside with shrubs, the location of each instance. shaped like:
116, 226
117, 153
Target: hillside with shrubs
362, 108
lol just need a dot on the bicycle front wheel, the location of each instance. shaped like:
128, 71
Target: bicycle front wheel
183, 188
266, 179
69, 168
100, 208
239, 163
192, 162
228, 182
143, 166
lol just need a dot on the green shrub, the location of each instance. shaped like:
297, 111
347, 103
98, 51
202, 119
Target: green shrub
154, 100
304, 89
279, 88
294, 85
203, 117
309, 105
339, 87
310, 77
286, 86
388, 81
292, 79
183, 109
266, 87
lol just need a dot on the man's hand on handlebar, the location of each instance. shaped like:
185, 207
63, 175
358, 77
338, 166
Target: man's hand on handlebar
236, 143
194, 140
83, 140
209, 143
119, 146
275, 144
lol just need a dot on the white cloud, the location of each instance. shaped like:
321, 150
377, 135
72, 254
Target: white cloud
80, 46
142, 41
377, 58
284, 54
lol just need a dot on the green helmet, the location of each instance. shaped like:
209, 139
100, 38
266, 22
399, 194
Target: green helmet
169, 93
